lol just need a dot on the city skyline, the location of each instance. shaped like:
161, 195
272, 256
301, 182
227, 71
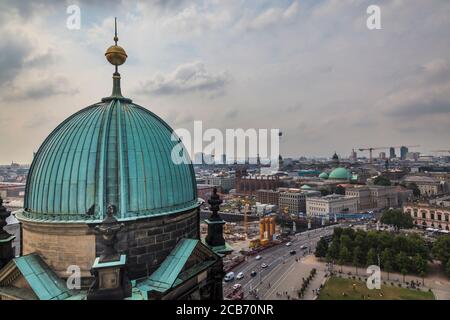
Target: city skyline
311, 69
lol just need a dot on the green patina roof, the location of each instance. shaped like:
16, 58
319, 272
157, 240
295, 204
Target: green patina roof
112, 152
43, 281
323, 175
340, 174
167, 273
305, 187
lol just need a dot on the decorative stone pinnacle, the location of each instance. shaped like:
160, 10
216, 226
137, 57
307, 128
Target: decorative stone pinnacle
215, 203
108, 231
4, 213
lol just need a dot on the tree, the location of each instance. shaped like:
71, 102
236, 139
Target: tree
321, 248
420, 264
415, 189
382, 181
441, 249
387, 260
397, 218
344, 256
403, 263
404, 272
356, 258
346, 241
372, 258
334, 249
447, 268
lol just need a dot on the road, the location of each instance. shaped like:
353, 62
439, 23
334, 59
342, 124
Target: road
280, 263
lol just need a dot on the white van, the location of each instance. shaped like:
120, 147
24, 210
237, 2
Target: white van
229, 277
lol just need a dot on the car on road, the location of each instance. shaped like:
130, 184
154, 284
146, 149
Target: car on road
258, 257
303, 247
253, 273
288, 244
237, 286
292, 252
240, 275
229, 277
264, 265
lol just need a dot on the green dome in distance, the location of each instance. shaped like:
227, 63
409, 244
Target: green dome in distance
323, 175
305, 187
340, 174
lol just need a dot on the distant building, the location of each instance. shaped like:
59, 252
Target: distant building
294, 200
394, 174
205, 191
403, 152
374, 197
250, 184
428, 185
12, 190
317, 207
413, 156
382, 155
404, 195
429, 216
353, 155
267, 196
225, 182
392, 154
363, 196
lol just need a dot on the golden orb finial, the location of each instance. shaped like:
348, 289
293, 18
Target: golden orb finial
115, 54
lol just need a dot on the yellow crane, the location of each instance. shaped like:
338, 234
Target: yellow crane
246, 209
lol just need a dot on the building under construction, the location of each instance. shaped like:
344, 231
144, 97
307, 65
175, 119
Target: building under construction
266, 229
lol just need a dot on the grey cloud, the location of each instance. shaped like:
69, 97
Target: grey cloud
422, 108
41, 90
186, 78
15, 51
41, 60
232, 114
272, 16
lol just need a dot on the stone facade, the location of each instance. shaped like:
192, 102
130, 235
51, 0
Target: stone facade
61, 245
267, 196
249, 185
146, 242
429, 216
317, 207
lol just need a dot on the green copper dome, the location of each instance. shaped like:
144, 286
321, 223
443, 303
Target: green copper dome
113, 152
340, 174
323, 175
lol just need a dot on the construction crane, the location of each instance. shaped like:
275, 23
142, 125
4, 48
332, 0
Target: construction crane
246, 209
370, 149
443, 151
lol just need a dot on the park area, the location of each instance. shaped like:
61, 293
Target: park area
348, 289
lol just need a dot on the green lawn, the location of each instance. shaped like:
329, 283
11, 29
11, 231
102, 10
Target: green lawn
335, 287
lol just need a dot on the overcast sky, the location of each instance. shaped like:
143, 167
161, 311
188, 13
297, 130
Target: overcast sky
310, 68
